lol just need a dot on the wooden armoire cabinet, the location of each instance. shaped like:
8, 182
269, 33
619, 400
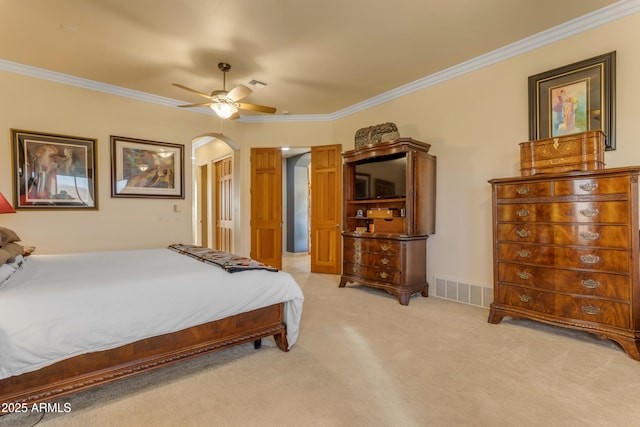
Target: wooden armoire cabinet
389, 212
566, 252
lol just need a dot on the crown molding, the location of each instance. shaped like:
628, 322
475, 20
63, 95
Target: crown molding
584, 23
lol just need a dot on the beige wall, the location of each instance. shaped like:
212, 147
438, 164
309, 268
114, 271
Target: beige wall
43, 106
474, 123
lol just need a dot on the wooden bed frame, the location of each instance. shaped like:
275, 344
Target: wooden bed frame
93, 369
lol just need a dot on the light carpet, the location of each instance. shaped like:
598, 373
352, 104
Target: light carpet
362, 359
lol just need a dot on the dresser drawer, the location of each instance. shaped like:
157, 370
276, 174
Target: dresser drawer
388, 247
513, 191
356, 244
383, 275
607, 312
569, 307
603, 285
613, 236
372, 273
525, 253
580, 212
389, 261
609, 260
530, 299
618, 185
356, 256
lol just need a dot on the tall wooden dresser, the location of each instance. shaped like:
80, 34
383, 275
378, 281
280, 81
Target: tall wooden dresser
566, 252
385, 236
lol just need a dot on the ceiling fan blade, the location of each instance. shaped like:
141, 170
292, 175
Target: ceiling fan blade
204, 104
235, 116
255, 107
238, 92
197, 92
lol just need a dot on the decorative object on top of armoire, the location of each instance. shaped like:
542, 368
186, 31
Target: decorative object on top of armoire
580, 151
376, 134
389, 212
566, 252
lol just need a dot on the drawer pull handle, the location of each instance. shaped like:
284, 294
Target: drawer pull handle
524, 254
523, 190
589, 309
589, 259
354, 269
588, 212
524, 275
523, 233
523, 212
385, 247
525, 298
385, 261
590, 283
356, 245
384, 274
357, 258
588, 235
589, 186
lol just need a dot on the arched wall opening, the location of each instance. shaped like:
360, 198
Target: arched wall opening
207, 149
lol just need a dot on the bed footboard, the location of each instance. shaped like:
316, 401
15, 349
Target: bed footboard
94, 369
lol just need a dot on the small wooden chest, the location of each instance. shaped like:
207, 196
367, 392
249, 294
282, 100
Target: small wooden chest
382, 213
579, 152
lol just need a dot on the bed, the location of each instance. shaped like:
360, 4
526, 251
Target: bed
75, 321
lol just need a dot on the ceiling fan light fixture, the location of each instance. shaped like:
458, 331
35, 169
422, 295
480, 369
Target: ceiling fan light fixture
224, 109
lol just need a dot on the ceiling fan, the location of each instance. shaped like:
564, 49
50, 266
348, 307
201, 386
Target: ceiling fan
225, 103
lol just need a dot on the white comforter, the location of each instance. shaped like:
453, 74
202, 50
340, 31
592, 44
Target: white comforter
61, 306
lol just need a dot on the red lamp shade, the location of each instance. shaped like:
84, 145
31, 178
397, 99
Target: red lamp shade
5, 207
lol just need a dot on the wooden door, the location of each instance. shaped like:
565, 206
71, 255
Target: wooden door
224, 204
326, 209
266, 206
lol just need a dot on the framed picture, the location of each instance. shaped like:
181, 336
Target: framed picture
575, 98
53, 171
141, 168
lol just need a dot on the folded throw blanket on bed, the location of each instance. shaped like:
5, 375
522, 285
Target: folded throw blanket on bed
229, 262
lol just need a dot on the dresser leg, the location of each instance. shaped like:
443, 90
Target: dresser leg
495, 316
404, 298
631, 347
343, 282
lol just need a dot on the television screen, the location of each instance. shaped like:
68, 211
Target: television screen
385, 178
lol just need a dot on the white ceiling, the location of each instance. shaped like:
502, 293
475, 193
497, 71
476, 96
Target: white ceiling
317, 57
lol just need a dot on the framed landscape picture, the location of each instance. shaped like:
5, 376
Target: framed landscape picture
576, 98
141, 168
53, 171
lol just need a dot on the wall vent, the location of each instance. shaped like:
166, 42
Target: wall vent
462, 292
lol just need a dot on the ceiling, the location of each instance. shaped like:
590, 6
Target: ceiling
317, 57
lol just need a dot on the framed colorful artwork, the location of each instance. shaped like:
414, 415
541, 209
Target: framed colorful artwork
576, 98
141, 168
53, 171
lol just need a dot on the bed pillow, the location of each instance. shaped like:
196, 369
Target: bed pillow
4, 256
7, 236
10, 251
